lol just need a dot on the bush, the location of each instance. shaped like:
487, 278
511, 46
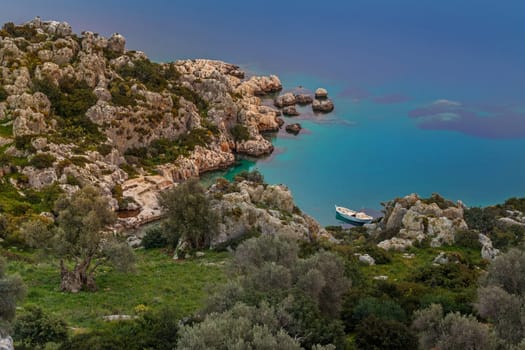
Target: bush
384, 309
380, 256
481, 219
42, 160
35, 328
452, 275
378, 334
252, 176
154, 238
3, 94
189, 217
23, 143
468, 239
240, 133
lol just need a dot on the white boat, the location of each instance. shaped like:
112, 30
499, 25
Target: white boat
354, 217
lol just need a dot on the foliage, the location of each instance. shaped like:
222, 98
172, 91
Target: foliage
189, 217
240, 133
481, 219
122, 94
501, 296
191, 96
252, 176
381, 308
153, 330
380, 334
151, 74
453, 275
439, 200
308, 291
451, 332
23, 143
34, 328
154, 238
70, 101
79, 237
11, 290
24, 31
3, 94
42, 160
253, 327
467, 239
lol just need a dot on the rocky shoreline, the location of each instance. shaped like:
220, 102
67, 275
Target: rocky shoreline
135, 103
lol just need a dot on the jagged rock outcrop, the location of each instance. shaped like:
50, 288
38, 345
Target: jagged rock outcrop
321, 93
417, 220
290, 111
267, 208
324, 106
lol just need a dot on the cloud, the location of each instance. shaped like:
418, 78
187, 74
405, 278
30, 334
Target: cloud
479, 121
390, 99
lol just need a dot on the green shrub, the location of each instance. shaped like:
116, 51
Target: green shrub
240, 133
3, 94
380, 256
515, 204
24, 31
151, 74
121, 94
468, 239
23, 143
154, 238
42, 160
482, 219
379, 334
452, 275
35, 328
252, 176
104, 149
385, 309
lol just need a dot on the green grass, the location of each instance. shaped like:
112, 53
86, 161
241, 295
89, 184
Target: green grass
158, 282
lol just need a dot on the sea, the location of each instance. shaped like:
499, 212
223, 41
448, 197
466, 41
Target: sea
429, 95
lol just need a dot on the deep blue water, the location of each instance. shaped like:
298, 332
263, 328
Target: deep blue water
385, 64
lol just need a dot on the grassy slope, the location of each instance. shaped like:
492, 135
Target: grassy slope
158, 282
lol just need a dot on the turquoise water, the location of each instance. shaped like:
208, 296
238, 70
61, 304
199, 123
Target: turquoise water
384, 63
366, 152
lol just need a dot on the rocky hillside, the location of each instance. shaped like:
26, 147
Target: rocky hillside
79, 109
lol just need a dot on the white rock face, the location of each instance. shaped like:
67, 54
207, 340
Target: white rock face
6, 343
366, 259
395, 243
488, 252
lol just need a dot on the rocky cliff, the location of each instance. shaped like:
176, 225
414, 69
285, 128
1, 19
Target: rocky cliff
77, 109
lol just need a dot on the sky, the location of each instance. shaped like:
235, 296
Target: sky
474, 45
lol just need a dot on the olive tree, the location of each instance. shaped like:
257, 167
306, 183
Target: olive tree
501, 296
452, 331
81, 239
189, 217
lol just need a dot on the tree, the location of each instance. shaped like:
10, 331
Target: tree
79, 238
189, 217
242, 327
501, 297
378, 334
11, 290
451, 332
35, 329
307, 292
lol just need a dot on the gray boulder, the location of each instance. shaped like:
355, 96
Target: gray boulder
366, 259
117, 44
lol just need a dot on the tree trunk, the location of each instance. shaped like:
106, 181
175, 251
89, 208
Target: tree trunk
77, 279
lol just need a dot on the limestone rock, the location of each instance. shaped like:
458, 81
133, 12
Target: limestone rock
488, 252
40, 178
323, 106
6, 343
366, 259
288, 99
290, 111
293, 128
117, 43
321, 93
303, 99
395, 243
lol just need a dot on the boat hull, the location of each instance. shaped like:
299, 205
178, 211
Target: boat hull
352, 220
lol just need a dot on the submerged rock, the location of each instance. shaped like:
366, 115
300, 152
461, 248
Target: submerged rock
293, 128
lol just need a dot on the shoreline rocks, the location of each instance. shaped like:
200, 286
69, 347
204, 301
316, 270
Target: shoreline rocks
293, 128
324, 106
321, 93
290, 111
